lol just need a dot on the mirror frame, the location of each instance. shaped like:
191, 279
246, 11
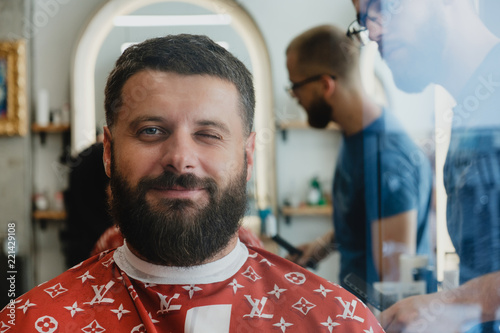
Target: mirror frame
83, 86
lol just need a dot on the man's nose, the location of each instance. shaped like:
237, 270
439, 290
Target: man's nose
179, 153
375, 31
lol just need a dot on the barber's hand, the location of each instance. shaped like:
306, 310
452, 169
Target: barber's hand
307, 249
314, 251
437, 312
400, 315
446, 311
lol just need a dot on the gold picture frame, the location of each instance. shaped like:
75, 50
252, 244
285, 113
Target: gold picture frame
13, 110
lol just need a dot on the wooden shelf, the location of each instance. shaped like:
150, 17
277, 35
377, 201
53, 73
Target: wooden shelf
299, 124
326, 210
49, 128
49, 215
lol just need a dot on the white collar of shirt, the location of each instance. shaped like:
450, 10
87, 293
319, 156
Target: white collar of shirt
216, 271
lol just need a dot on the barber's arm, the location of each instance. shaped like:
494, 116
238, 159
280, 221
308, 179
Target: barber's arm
391, 237
436, 311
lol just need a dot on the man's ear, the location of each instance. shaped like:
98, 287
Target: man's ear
329, 86
106, 157
249, 151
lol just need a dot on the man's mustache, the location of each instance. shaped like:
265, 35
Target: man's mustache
169, 179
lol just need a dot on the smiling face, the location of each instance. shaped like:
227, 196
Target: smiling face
178, 161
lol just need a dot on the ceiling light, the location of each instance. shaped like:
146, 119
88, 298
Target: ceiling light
171, 20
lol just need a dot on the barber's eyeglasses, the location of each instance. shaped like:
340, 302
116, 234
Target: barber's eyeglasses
358, 32
294, 86
380, 15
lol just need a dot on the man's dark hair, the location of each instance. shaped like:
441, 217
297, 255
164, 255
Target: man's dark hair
325, 49
182, 54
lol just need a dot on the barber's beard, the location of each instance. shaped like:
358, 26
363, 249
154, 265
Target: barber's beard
319, 113
178, 232
419, 62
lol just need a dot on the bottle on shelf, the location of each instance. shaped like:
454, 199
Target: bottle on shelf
315, 196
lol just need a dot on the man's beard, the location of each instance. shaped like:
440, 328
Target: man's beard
178, 232
319, 113
422, 62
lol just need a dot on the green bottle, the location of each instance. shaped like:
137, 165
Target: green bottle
315, 196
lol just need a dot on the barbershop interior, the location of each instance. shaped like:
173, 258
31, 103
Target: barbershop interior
55, 57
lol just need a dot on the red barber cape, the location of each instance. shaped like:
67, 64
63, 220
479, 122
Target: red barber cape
249, 290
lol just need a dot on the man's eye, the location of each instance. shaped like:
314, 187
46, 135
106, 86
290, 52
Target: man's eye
150, 131
210, 136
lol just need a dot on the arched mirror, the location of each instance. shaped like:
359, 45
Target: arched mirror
120, 22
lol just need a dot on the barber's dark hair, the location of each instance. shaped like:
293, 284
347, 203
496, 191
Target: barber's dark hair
182, 54
325, 49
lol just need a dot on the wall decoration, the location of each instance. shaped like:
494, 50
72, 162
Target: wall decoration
13, 109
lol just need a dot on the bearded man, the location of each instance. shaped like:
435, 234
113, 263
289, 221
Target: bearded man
447, 43
382, 183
